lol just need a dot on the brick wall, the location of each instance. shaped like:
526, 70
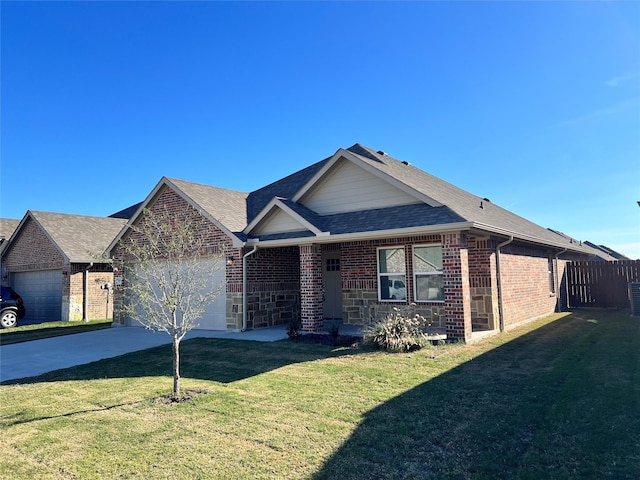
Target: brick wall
359, 270
457, 295
525, 284
33, 250
311, 287
73, 299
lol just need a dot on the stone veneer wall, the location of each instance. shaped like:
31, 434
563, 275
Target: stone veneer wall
483, 283
273, 294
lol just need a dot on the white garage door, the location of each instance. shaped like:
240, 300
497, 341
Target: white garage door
215, 314
42, 294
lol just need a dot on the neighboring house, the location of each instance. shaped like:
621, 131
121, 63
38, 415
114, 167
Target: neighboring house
7, 227
605, 253
359, 233
54, 261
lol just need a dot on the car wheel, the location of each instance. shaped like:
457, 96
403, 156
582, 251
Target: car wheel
8, 319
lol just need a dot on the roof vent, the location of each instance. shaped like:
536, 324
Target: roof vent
380, 152
486, 199
404, 162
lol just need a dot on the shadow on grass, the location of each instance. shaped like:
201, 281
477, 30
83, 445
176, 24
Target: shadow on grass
219, 360
559, 402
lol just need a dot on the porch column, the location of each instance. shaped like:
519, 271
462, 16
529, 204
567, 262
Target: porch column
311, 287
457, 297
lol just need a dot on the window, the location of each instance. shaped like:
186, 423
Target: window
392, 283
552, 283
333, 264
427, 273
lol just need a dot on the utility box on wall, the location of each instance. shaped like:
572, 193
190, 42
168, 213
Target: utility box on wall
634, 298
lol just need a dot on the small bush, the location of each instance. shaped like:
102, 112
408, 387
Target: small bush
397, 332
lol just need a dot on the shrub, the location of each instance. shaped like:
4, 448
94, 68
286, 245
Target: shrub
397, 332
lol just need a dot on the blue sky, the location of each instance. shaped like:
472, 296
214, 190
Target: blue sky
533, 105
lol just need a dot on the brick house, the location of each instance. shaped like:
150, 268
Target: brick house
353, 236
53, 261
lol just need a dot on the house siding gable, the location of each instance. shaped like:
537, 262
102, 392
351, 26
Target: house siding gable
278, 222
349, 188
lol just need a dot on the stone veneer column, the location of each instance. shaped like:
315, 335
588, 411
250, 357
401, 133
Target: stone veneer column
311, 287
455, 263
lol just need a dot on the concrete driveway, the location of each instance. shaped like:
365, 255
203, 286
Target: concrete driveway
28, 359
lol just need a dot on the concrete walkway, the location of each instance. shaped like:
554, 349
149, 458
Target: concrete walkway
28, 359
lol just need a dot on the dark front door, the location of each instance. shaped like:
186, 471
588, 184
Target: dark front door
332, 284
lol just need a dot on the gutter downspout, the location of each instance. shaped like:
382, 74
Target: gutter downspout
244, 286
556, 279
85, 297
499, 278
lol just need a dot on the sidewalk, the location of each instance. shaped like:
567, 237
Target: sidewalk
28, 359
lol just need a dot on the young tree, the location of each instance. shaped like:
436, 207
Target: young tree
168, 266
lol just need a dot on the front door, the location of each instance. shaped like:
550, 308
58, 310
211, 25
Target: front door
332, 284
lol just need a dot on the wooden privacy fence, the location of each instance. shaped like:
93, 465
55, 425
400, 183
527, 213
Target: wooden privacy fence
601, 284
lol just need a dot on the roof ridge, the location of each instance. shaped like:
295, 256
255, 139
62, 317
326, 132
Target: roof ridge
172, 179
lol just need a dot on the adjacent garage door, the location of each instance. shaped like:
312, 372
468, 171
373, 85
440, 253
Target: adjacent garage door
42, 294
215, 315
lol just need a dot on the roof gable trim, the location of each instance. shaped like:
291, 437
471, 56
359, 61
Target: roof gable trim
18, 230
166, 182
349, 156
275, 204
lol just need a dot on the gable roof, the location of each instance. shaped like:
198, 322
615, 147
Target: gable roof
227, 207
7, 227
223, 207
606, 253
444, 205
79, 238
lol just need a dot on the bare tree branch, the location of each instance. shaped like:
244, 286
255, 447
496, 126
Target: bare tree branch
169, 269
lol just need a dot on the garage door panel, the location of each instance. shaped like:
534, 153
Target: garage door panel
215, 315
42, 294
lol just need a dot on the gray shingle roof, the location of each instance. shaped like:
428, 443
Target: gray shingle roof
81, 238
126, 213
458, 205
7, 227
406, 216
465, 204
284, 188
226, 206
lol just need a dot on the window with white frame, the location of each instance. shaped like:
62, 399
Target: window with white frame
552, 283
392, 280
427, 273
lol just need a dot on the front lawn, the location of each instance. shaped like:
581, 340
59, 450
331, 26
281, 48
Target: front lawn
26, 333
557, 399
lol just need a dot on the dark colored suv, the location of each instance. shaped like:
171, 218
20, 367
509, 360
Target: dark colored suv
11, 307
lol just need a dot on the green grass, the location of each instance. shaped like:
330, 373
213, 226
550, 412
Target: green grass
557, 399
26, 333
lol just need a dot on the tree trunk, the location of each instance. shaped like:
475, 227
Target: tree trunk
176, 366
